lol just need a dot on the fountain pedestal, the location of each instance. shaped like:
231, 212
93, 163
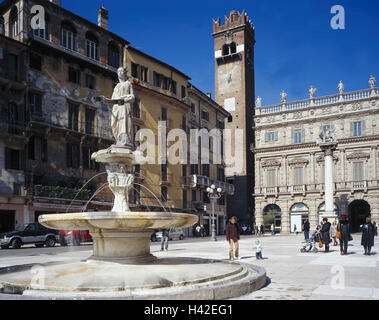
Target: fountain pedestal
122, 266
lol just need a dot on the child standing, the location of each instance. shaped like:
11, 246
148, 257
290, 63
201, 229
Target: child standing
258, 247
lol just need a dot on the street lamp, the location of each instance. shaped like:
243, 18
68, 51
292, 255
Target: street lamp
214, 194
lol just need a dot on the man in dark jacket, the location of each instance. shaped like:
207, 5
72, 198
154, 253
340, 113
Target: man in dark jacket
232, 236
368, 234
344, 229
325, 234
306, 228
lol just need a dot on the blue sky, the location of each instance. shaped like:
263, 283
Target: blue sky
295, 44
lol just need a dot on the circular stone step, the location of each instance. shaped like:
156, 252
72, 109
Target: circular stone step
171, 278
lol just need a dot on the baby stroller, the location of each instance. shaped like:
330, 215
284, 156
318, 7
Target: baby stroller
312, 243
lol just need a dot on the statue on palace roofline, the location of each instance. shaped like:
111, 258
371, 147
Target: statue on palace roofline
312, 92
283, 96
372, 82
341, 87
121, 105
258, 103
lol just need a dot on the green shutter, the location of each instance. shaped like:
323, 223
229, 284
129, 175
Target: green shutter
352, 129
363, 127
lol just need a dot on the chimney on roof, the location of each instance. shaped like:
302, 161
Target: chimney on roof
57, 2
102, 18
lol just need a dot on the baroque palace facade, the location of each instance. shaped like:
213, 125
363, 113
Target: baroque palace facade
50, 122
289, 165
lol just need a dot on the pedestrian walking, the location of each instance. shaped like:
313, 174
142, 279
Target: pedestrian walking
258, 249
325, 234
368, 235
233, 236
202, 231
164, 240
375, 228
295, 229
306, 228
262, 230
333, 232
257, 231
343, 234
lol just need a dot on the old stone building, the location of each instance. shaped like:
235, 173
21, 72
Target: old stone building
51, 122
62, 67
234, 90
289, 165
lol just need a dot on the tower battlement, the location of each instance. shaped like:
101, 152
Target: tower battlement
235, 19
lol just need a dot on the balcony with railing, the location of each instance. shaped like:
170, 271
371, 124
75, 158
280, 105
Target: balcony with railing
344, 186
85, 127
321, 101
206, 182
74, 53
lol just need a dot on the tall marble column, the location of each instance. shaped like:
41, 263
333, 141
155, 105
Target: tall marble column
328, 145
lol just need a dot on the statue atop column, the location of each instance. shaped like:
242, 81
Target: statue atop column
121, 105
327, 136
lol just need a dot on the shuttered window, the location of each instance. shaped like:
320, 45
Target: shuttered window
298, 176
271, 178
358, 171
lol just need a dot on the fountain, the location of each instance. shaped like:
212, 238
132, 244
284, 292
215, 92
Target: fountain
121, 266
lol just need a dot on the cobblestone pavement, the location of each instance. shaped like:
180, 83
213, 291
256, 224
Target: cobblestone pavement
292, 275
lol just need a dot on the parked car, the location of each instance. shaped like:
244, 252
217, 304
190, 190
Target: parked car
75, 237
175, 234
32, 233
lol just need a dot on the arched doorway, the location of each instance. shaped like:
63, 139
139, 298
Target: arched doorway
299, 213
358, 211
321, 212
272, 214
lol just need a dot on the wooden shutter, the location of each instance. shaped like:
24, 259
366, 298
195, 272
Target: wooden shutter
363, 127
352, 129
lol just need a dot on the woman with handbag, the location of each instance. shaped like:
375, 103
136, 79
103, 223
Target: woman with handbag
343, 234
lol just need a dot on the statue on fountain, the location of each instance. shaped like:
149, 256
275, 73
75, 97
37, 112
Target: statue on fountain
121, 104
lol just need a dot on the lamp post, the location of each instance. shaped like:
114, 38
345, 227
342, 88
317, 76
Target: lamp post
214, 194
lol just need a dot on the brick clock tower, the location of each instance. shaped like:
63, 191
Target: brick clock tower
234, 90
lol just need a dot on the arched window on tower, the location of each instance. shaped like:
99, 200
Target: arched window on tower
225, 50
233, 48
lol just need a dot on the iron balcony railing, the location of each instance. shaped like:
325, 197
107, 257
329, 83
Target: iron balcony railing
206, 182
85, 127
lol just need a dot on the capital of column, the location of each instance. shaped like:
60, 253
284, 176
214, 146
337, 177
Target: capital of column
328, 148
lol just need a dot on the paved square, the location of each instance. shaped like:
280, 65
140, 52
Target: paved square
292, 275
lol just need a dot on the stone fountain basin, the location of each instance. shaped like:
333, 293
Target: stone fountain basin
118, 221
